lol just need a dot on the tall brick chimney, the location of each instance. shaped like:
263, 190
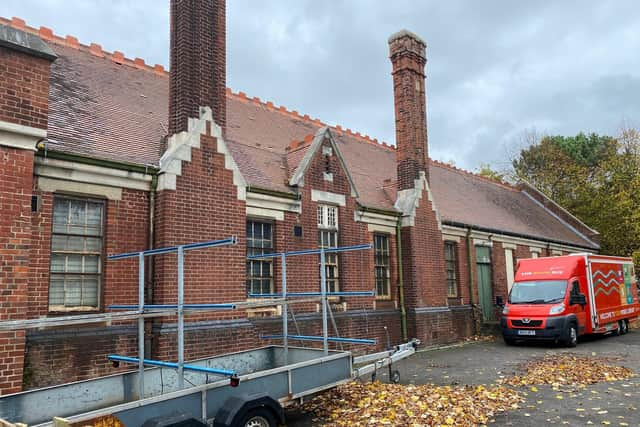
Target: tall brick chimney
408, 57
198, 61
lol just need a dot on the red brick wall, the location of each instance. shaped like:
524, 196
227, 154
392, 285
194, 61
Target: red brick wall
16, 174
126, 230
203, 207
17, 105
198, 61
408, 57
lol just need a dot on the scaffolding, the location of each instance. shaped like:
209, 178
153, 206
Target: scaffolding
142, 311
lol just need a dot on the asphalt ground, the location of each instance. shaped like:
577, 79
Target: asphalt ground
485, 362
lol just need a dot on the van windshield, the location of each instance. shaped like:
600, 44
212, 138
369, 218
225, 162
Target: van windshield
538, 292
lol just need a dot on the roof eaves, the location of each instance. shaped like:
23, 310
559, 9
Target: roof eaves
521, 235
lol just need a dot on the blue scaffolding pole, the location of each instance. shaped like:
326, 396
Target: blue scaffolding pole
179, 307
323, 294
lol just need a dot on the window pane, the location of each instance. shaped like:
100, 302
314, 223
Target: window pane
72, 252
259, 272
56, 290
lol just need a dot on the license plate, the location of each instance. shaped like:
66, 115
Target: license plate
526, 332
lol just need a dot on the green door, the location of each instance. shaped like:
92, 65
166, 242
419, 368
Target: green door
485, 287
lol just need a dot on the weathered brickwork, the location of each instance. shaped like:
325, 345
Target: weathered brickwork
198, 61
17, 104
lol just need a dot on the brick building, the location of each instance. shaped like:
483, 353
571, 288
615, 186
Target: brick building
91, 164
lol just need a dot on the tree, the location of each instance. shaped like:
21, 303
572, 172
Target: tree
595, 177
488, 172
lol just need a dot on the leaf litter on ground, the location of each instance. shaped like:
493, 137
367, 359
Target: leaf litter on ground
380, 404
564, 370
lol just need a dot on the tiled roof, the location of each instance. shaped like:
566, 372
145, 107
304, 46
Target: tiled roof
107, 106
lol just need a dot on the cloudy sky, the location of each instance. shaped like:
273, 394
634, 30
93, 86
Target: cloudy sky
495, 68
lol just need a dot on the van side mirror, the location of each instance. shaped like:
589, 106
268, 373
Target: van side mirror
578, 299
499, 301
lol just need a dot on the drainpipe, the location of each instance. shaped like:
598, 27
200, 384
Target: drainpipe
403, 310
470, 275
149, 270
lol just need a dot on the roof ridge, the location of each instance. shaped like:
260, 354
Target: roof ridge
118, 57
270, 105
94, 49
473, 174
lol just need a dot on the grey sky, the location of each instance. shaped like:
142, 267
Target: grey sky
495, 68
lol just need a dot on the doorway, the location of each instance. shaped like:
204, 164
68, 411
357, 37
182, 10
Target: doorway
485, 286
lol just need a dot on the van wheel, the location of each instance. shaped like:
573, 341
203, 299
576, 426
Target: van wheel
618, 330
624, 326
571, 336
509, 341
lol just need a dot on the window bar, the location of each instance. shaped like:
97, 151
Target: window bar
141, 326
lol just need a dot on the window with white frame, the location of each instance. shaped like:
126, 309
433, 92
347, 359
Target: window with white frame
259, 272
381, 265
76, 254
328, 238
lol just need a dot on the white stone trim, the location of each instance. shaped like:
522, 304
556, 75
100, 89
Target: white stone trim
537, 244
556, 252
377, 228
265, 213
327, 176
328, 197
91, 174
274, 203
482, 242
179, 149
511, 246
535, 249
377, 222
51, 185
19, 136
408, 202
450, 238
323, 133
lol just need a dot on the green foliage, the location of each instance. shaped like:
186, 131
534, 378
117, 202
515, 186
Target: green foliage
487, 172
595, 177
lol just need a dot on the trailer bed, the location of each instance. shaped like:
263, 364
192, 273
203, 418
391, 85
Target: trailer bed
263, 370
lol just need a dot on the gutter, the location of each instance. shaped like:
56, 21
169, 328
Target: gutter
379, 211
512, 234
149, 270
43, 151
403, 309
274, 193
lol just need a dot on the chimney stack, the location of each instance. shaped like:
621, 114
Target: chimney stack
198, 61
408, 56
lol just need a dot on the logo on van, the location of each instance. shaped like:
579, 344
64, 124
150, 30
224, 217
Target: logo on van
526, 320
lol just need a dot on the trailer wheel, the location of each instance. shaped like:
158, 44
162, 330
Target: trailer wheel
572, 336
395, 377
258, 417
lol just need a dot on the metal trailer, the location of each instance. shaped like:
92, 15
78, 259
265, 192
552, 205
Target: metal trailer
247, 388
265, 385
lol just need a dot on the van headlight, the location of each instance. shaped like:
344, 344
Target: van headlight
505, 309
556, 309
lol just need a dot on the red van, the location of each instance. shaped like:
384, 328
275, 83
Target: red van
561, 298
